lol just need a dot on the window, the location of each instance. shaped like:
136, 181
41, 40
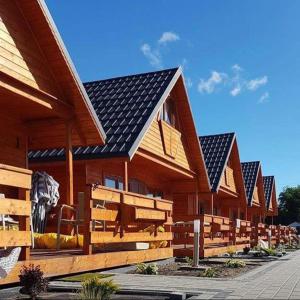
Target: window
114, 182
137, 186
169, 112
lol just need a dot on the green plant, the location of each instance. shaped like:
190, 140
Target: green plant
150, 269
235, 263
231, 251
32, 281
269, 251
94, 288
188, 260
209, 272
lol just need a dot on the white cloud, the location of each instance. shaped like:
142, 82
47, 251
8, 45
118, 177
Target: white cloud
154, 53
208, 86
234, 82
235, 91
167, 37
264, 98
153, 56
236, 68
254, 84
189, 82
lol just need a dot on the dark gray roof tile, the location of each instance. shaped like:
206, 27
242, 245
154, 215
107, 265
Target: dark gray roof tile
123, 106
216, 149
268, 187
250, 174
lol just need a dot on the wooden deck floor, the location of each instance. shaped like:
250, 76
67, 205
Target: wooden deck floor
64, 262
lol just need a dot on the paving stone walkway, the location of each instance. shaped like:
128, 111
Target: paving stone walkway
279, 279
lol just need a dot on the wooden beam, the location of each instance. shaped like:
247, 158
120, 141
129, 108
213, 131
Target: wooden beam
24, 225
39, 97
69, 164
99, 237
165, 163
70, 264
125, 176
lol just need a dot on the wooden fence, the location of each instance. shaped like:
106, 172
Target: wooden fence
18, 182
216, 235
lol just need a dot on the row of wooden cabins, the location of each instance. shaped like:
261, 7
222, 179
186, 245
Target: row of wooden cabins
126, 154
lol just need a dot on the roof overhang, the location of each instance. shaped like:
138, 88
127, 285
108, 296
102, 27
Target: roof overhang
88, 130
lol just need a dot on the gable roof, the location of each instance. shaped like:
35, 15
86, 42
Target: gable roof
216, 150
64, 73
250, 174
268, 188
126, 107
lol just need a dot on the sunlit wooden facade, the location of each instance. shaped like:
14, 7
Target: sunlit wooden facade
43, 103
125, 152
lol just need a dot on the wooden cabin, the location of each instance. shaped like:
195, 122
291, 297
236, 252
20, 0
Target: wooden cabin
270, 197
152, 158
228, 197
253, 179
43, 104
219, 209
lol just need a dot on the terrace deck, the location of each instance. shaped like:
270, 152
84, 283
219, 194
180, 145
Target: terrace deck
65, 262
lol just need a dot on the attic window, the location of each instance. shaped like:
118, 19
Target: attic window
169, 112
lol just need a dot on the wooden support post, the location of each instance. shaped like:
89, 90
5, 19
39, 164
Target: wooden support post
69, 164
24, 224
201, 237
125, 176
122, 205
88, 205
212, 205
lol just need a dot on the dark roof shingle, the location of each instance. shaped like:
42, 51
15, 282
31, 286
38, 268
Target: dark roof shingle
123, 106
268, 187
216, 150
250, 173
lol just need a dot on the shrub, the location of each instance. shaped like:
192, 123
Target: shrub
32, 281
188, 260
94, 288
209, 272
150, 269
246, 250
235, 263
231, 251
269, 251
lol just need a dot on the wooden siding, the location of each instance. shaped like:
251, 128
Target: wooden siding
13, 142
20, 55
153, 142
227, 180
255, 195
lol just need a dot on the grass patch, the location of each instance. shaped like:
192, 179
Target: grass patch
85, 276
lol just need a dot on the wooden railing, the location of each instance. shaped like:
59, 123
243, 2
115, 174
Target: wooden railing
241, 233
122, 217
215, 234
18, 181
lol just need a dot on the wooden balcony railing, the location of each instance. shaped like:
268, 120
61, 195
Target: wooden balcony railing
19, 180
125, 218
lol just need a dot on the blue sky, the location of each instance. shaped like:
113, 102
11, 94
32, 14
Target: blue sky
241, 61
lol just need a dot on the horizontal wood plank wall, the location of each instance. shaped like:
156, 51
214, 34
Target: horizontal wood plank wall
12, 141
153, 143
20, 56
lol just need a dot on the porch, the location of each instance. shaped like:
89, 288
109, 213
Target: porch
111, 234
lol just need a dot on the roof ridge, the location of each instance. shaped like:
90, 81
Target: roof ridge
131, 75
